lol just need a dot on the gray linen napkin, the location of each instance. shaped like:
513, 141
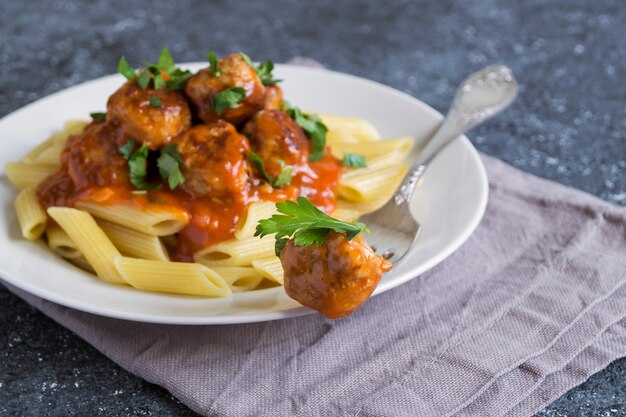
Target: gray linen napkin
531, 305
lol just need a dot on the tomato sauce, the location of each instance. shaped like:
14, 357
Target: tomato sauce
211, 220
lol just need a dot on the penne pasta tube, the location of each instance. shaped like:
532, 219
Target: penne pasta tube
256, 211
82, 263
44, 153
28, 175
61, 243
236, 252
90, 240
172, 277
30, 215
358, 128
152, 221
240, 278
370, 150
369, 184
346, 214
133, 243
270, 268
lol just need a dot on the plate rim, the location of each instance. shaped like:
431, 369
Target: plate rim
450, 248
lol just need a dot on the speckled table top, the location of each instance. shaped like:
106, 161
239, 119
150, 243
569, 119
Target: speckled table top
568, 125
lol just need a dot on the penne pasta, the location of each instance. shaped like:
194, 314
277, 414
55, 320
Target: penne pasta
375, 149
82, 263
240, 278
30, 215
152, 221
236, 252
172, 277
90, 240
61, 243
368, 184
346, 213
270, 268
133, 243
28, 175
360, 129
49, 151
256, 211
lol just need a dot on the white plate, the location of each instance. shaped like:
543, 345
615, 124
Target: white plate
449, 204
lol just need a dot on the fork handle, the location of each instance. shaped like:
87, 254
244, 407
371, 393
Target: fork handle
479, 97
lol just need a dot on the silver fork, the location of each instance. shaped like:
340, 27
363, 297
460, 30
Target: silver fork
478, 98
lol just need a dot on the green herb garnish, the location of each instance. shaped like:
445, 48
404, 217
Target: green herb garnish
227, 99
354, 160
178, 79
313, 127
153, 73
155, 101
124, 68
169, 166
246, 59
213, 63
283, 178
168, 162
263, 70
305, 223
98, 116
137, 165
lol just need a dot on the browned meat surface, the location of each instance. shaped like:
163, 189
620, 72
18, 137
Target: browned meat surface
274, 98
214, 161
334, 278
276, 137
93, 158
154, 125
202, 88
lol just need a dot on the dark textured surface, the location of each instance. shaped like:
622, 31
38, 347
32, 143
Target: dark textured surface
569, 125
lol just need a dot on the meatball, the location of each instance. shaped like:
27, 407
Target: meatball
93, 157
276, 137
334, 278
56, 190
202, 88
151, 116
213, 161
274, 98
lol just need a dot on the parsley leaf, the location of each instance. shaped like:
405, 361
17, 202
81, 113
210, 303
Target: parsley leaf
227, 99
178, 79
154, 73
313, 127
137, 164
279, 245
169, 165
166, 62
127, 148
264, 71
124, 68
155, 101
283, 178
305, 223
144, 79
98, 116
354, 160
246, 59
213, 63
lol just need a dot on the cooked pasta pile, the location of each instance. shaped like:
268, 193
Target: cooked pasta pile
164, 190
123, 244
